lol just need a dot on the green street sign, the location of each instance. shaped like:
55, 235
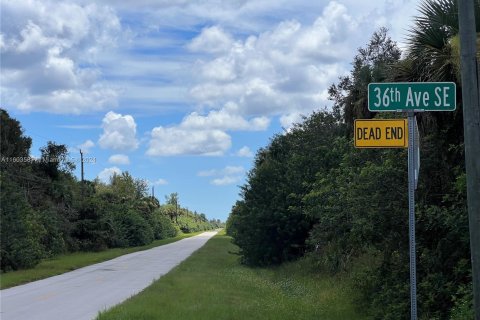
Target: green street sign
418, 96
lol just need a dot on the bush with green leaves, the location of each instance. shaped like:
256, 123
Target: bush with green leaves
21, 229
133, 229
162, 225
53, 240
270, 224
92, 229
46, 211
348, 205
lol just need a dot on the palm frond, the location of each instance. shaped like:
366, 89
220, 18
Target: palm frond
431, 50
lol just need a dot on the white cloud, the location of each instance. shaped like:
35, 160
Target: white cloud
179, 141
49, 51
207, 173
160, 182
270, 57
226, 176
233, 170
203, 134
228, 170
280, 71
107, 173
119, 132
86, 146
220, 69
119, 159
227, 180
213, 40
288, 120
245, 152
71, 101
226, 118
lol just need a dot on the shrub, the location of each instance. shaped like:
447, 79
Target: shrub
162, 226
53, 239
21, 230
463, 307
134, 229
91, 229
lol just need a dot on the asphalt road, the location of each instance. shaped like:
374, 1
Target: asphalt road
81, 294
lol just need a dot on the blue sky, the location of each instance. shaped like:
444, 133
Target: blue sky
180, 93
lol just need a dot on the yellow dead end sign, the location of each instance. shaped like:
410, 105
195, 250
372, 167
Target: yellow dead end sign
381, 133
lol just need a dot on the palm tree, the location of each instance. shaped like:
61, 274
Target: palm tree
430, 41
433, 44
433, 55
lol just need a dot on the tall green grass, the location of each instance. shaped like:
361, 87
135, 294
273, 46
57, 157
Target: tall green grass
212, 284
68, 262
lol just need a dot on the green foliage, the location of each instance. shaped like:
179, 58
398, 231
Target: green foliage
463, 303
21, 229
371, 64
45, 211
188, 221
53, 239
183, 219
169, 210
134, 229
71, 261
270, 225
128, 188
12, 141
311, 189
54, 161
358, 205
433, 42
91, 229
162, 226
230, 290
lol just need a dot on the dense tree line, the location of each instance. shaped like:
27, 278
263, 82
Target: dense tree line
311, 193
46, 211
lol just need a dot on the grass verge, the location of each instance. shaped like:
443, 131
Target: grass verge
211, 284
68, 262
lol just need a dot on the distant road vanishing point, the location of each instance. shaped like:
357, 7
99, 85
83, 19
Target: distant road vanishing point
82, 293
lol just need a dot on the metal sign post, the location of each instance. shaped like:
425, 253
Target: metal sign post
417, 153
411, 210
412, 97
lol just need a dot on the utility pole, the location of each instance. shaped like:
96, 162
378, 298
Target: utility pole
81, 163
471, 125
